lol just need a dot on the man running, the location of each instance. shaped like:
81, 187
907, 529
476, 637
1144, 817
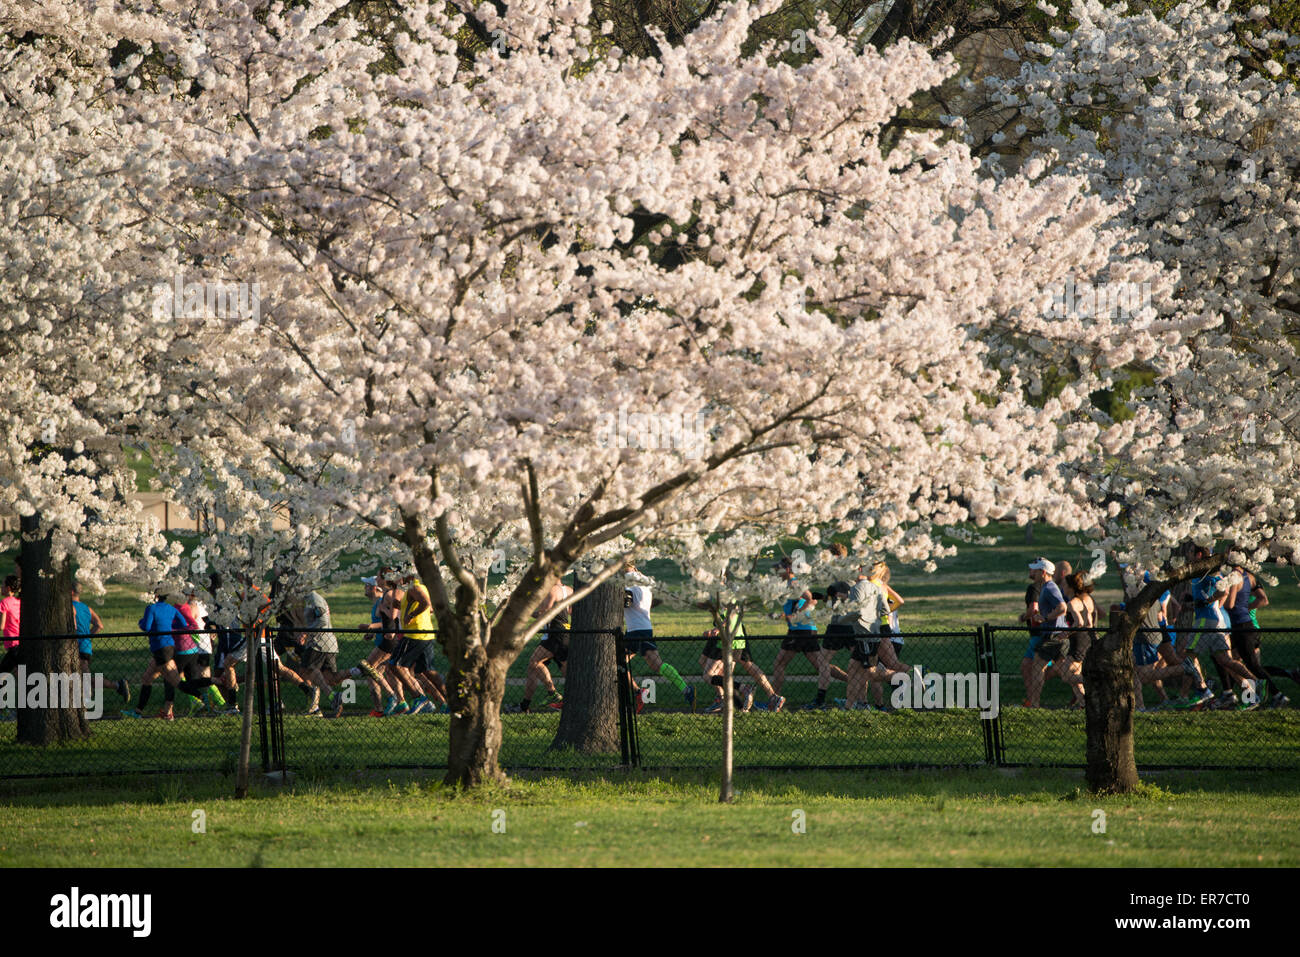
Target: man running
162, 621
319, 651
384, 645
639, 636
1245, 596
416, 663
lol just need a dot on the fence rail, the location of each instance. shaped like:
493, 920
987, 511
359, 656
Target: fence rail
941, 699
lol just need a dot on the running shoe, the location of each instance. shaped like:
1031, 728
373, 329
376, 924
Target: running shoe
391, 706
124, 689
402, 708
1200, 700
167, 715
1279, 700
748, 698
640, 700
376, 713
689, 694
131, 713
313, 699
555, 701
338, 706
420, 705
315, 713
715, 708
776, 704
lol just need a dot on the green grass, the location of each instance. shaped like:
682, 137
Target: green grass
997, 818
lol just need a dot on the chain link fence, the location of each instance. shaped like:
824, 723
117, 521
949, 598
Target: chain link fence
1194, 716
930, 699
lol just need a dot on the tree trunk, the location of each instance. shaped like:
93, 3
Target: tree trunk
1029, 533
253, 644
475, 688
47, 610
1108, 676
727, 794
589, 720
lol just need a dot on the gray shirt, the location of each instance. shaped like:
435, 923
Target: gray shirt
316, 614
872, 607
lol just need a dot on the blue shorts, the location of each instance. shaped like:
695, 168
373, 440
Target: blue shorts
639, 643
1034, 642
1145, 653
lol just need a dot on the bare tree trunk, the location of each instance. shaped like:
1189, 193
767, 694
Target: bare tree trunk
252, 643
1108, 676
727, 793
475, 688
589, 720
47, 610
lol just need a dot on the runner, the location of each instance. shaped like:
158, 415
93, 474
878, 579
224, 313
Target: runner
554, 645
1245, 596
161, 622
1050, 618
417, 659
384, 645
1210, 625
891, 650
712, 668
639, 636
10, 619
1081, 617
1032, 670
320, 648
801, 635
869, 621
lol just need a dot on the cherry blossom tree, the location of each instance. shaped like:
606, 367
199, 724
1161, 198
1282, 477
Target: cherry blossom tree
559, 304
74, 342
1190, 121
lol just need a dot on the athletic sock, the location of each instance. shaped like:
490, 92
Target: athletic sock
669, 672
194, 686
821, 695
169, 694
716, 681
145, 691
215, 698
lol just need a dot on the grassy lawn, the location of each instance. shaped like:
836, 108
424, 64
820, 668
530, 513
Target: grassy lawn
999, 818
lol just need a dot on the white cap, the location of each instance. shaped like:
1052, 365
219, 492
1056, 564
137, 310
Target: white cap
368, 581
1043, 564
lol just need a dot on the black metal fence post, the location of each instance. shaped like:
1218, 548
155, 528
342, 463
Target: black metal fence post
626, 707
262, 700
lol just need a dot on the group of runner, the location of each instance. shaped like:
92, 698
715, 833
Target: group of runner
1212, 617
864, 622
183, 643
